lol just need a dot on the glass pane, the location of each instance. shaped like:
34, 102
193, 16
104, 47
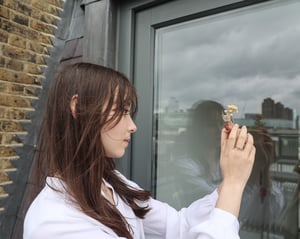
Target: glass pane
248, 57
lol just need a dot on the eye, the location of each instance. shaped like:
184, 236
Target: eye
126, 111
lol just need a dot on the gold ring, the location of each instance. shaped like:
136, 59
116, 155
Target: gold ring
240, 149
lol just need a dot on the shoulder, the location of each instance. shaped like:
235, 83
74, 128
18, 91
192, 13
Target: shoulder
54, 215
44, 204
127, 181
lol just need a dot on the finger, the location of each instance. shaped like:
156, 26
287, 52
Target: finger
252, 153
224, 135
228, 126
242, 138
249, 143
250, 138
232, 136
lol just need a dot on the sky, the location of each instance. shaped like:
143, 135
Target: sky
239, 57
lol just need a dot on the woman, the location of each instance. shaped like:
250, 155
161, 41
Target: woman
87, 124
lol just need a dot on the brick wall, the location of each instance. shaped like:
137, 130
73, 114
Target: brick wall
27, 29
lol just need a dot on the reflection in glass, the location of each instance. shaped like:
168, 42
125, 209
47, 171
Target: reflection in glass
239, 57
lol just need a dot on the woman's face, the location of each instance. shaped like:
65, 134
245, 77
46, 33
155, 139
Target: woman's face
116, 139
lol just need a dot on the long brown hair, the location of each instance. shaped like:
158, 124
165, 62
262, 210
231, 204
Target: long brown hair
72, 147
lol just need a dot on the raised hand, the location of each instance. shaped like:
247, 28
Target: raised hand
236, 162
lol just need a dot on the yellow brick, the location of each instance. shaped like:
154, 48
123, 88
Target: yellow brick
14, 28
15, 65
2, 61
37, 47
6, 165
32, 69
4, 88
41, 27
4, 179
7, 152
14, 101
18, 6
19, 18
10, 126
44, 17
13, 114
41, 5
17, 41
10, 139
10, 88
44, 39
18, 90
3, 36
57, 3
40, 60
4, 12
18, 77
54, 10
18, 53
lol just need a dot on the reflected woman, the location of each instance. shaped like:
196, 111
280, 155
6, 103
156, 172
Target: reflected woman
196, 153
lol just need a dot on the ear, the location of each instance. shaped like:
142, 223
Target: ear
73, 103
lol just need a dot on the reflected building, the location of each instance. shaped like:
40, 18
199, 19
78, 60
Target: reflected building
282, 124
268, 108
272, 110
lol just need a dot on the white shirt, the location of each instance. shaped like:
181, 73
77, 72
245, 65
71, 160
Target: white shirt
51, 216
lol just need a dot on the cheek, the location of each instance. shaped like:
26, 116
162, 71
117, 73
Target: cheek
107, 144
112, 134
113, 146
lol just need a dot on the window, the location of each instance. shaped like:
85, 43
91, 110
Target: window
236, 57
190, 60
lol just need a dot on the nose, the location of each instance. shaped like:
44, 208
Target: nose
132, 126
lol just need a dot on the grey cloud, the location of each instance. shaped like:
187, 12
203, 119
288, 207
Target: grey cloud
247, 53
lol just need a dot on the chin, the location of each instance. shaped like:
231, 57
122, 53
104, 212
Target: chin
117, 155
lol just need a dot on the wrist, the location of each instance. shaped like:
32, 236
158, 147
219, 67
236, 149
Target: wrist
233, 185
230, 196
